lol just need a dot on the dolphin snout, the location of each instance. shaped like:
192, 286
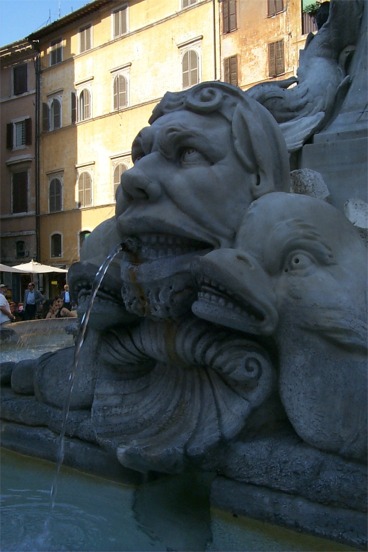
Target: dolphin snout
249, 303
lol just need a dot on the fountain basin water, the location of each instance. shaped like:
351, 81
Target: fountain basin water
31, 339
93, 513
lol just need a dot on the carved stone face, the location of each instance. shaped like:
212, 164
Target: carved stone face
299, 273
186, 195
296, 260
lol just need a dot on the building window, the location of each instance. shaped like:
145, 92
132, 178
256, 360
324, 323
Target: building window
118, 171
119, 21
20, 249
85, 36
275, 6
231, 70
120, 92
20, 192
55, 195
73, 107
20, 79
56, 51
190, 68
84, 190
276, 60
228, 16
82, 237
187, 3
84, 105
55, 114
56, 245
51, 115
19, 134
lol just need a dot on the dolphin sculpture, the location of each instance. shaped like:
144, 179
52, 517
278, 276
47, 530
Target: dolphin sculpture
298, 273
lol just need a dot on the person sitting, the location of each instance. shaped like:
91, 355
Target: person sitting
57, 310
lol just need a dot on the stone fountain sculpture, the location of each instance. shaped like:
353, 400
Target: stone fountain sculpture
235, 318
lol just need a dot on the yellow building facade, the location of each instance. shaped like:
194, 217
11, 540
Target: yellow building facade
18, 205
101, 70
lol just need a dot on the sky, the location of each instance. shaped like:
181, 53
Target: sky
19, 18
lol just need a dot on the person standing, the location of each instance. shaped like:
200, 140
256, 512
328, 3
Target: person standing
32, 298
5, 314
65, 295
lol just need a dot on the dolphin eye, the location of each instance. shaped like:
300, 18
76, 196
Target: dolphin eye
298, 261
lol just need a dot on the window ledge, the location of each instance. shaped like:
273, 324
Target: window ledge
27, 158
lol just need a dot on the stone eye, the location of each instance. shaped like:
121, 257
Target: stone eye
298, 260
189, 156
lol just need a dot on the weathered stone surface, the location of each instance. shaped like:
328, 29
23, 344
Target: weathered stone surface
292, 511
282, 462
308, 182
22, 377
6, 369
85, 456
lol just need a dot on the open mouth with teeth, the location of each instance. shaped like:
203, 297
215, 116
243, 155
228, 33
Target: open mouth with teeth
149, 247
234, 293
156, 274
217, 304
108, 307
217, 295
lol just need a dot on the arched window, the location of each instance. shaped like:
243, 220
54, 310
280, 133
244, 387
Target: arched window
85, 190
56, 248
55, 114
118, 171
190, 68
82, 237
84, 105
120, 92
55, 195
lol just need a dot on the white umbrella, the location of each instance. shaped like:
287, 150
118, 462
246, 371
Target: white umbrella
37, 268
6, 268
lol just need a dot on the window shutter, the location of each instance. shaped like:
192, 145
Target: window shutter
9, 136
229, 15
231, 70
45, 117
73, 107
275, 6
116, 93
234, 70
280, 61
28, 123
225, 17
56, 114
232, 15
271, 60
276, 59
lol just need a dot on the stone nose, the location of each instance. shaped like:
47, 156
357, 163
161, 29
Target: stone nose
137, 186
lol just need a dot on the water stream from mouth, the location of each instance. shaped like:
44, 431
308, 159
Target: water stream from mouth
77, 351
